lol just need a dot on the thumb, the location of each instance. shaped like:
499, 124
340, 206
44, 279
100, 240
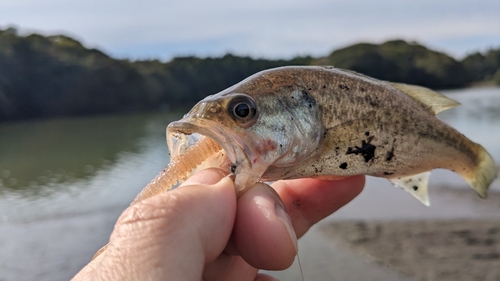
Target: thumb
175, 234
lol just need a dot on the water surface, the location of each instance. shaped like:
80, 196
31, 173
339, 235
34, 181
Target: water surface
69, 166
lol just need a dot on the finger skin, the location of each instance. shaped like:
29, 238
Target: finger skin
258, 235
171, 235
260, 231
310, 200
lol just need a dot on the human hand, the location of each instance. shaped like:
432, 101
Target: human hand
200, 231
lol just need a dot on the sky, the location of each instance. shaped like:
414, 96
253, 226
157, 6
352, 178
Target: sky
162, 29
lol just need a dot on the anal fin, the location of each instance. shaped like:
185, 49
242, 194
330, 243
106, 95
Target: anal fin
416, 185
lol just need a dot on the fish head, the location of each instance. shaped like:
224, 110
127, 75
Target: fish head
259, 123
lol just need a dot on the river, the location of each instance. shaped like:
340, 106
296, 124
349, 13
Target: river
69, 167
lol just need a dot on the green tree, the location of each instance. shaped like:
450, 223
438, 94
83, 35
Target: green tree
482, 67
400, 61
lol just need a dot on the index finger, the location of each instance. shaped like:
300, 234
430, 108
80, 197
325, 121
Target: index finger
310, 200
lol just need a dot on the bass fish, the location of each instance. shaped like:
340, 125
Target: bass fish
311, 121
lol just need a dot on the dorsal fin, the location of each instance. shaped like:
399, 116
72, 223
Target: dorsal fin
434, 101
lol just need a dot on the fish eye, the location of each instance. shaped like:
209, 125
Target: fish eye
242, 108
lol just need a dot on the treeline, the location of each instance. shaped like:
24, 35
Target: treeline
411, 63
51, 76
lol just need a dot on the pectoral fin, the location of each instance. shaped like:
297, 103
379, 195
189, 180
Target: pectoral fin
416, 185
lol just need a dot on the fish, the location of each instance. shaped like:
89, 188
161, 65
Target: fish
319, 121
324, 122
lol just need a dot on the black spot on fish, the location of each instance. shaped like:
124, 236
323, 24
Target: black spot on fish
367, 133
367, 150
325, 133
343, 166
306, 98
317, 170
374, 102
324, 86
363, 90
388, 173
344, 87
281, 145
415, 188
390, 155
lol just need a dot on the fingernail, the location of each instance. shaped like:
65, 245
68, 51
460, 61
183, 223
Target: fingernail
208, 176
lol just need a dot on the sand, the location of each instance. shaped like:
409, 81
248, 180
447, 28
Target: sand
435, 249
427, 250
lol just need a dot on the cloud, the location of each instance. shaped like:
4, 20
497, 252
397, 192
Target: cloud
153, 28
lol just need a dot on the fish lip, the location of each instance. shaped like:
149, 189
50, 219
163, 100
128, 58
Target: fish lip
230, 143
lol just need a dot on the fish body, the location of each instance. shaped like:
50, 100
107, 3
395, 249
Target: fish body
295, 122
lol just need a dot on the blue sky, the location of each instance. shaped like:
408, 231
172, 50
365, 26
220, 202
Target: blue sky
261, 28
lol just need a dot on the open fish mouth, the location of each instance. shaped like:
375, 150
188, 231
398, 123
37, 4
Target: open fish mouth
183, 134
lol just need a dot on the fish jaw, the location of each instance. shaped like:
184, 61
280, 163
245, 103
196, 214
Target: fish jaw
183, 133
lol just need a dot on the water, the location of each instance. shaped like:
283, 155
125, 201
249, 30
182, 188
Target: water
71, 166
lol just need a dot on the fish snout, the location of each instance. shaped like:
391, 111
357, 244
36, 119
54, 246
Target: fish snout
205, 110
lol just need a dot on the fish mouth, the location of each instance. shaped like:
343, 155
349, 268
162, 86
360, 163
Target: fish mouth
183, 134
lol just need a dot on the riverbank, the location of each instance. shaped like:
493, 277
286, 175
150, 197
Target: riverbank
461, 248
427, 250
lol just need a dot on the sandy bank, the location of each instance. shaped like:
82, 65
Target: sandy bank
427, 250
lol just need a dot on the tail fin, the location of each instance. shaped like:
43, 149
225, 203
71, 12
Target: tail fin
484, 173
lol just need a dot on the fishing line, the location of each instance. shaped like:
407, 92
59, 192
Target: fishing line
300, 267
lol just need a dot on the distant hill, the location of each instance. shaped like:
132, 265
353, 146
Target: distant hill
400, 61
51, 76
483, 67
